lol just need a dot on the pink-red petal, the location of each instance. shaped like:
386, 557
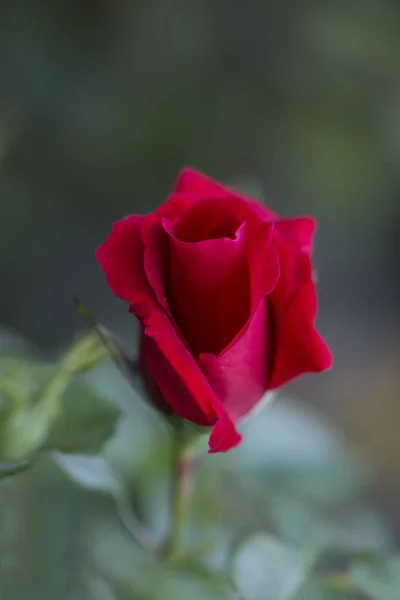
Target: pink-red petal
240, 375
286, 282
177, 204
208, 290
212, 218
156, 257
179, 361
182, 383
121, 258
263, 261
263, 271
224, 435
299, 348
191, 181
298, 232
171, 385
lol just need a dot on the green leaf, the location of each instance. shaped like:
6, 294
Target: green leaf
266, 569
8, 469
380, 581
84, 423
21, 434
27, 422
85, 354
16, 384
94, 473
91, 472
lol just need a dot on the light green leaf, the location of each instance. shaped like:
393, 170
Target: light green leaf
91, 472
21, 435
16, 383
8, 469
86, 353
84, 423
27, 421
94, 473
266, 569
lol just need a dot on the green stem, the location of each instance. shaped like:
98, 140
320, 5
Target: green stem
184, 467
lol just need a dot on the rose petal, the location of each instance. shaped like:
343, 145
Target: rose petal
213, 218
240, 375
297, 232
156, 257
299, 347
208, 290
224, 435
264, 270
191, 181
178, 361
263, 261
171, 386
286, 282
121, 258
194, 182
176, 205
183, 384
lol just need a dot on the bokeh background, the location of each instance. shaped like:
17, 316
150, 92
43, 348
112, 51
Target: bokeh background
102, 102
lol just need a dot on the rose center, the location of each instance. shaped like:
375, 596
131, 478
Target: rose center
208, 282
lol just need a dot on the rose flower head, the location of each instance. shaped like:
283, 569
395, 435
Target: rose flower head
223, 289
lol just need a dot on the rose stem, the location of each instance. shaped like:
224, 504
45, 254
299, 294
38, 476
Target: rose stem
184, 467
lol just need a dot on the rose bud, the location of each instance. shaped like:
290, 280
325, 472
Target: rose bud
224, 292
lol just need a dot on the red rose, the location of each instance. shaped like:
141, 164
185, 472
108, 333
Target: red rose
223, 289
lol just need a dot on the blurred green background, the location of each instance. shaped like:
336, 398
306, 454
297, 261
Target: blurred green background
101, 103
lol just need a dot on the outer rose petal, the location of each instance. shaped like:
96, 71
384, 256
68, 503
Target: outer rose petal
263, 261
299, 347
175, 371
121, 258
224, 435
297, 232
171, 385
156, 257
191, 181
176, 205
239, 376
263, 268
286, 282
197, 184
